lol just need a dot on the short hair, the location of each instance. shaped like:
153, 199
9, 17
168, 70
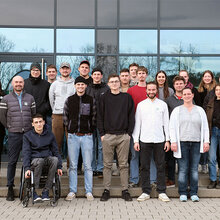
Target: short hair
152, 83
133, 64
37, 116
217, 84
178, 78
124, 70
51, 66
142, 68
113, 75
97, 69
184, 71
189, 89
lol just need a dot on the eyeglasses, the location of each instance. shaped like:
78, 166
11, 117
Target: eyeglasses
116, 81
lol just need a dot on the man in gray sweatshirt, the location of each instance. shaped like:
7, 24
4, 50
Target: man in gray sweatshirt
59, 91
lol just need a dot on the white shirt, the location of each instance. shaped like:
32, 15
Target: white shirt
151, 122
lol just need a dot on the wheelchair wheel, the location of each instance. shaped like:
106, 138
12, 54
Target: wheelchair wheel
22, 181
54, 203
57, 187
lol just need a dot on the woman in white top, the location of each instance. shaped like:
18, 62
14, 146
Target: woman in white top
189, 135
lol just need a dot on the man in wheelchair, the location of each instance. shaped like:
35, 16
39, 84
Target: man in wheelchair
40, 149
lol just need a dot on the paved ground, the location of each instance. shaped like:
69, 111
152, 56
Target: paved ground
113, 209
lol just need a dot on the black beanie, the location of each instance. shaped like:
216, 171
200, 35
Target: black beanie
80, 79
36, 65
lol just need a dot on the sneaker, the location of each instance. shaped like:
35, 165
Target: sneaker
170, 184
183, 198
204, 169
143, 197
163, 197
218, 185
105, 196
132, 185
100, 174
194, 198
126, 195
153, 185
45, 195
89, 196
36, 197
70, 196
211, 185
116, 172
10, 195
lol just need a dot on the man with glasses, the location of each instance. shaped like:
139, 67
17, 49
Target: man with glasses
115, 123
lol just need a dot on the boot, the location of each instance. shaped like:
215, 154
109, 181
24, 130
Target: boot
10, 195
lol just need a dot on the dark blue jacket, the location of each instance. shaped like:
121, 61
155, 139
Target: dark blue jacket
39, 146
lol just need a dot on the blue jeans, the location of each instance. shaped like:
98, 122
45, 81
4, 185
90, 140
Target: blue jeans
134, 164
74, 144
97, 162
215, 142
188, 166
153, 170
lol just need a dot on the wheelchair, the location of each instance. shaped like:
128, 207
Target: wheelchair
27, 187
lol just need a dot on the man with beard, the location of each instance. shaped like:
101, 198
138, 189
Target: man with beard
151, 133
16, 111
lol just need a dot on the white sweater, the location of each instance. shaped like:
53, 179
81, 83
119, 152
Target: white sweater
174, 129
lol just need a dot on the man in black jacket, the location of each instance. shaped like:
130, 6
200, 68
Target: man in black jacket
39, 89
115, 123
40, 149
79, 118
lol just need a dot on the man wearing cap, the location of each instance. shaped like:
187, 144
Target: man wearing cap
59, 91
38, 88
84, 69
79, 118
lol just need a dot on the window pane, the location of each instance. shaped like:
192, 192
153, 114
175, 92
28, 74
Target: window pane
108, 65
190, 41
194, 65
26, 40
75, 41
149, 62
138, 13
75, 13
138, 41
189, 13
74, 62
106, 12
107, 41
23, 12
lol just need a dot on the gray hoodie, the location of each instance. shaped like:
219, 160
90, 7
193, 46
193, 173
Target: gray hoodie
59, 91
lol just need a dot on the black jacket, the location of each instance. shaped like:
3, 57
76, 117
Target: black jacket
79, 114
39, 89
39, 146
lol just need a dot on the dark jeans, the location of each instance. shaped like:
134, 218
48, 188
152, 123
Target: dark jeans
188, 167
159, 158
171, 165
15, 141
37, 165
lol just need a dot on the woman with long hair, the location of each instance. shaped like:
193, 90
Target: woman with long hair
189, 135
164, 91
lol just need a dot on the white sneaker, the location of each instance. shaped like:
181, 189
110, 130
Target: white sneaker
70, 196
143, 197
89, 196
204, 169
163, 197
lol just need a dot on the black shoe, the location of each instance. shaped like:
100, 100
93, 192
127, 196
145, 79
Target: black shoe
105, 195
10, 195
99, 174
218, 185
126, 195
94, 173
211, 185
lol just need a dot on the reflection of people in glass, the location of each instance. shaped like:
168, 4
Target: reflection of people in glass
162, 83
189, 135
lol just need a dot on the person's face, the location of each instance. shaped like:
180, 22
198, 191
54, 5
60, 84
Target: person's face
114, 83
35, 72
124, 77
80, 87
151, 91
207, 78
161, 78
38, 124
217, 91
18, 84
51, 74
97, 77
133, 71
65, 71
142, 76
179, 85
84, 69
187, 96
184, 74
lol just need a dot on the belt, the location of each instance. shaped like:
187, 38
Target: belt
82, 134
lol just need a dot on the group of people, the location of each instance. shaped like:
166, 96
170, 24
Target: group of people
139, 122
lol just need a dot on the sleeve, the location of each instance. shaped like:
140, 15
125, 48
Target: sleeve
94, 113
3, 112
172, 126
55, 152
137, 127
45, 106
100, 116
51, 95
66, 113
205, 127
131, 116
166, 122
26, 152
33, 107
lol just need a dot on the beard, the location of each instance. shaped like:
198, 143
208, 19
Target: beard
152, 96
